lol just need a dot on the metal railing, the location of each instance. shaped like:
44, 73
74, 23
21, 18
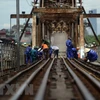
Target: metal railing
8, 56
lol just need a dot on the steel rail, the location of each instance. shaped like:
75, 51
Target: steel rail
18, 74
85, 92
96, 71
91, 64
41, 92
25, 84
96, 82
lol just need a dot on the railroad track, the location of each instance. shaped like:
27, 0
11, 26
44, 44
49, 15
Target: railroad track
55, 79
16, 81
91, 65
41, 81
7, 73
92, 83
93, 69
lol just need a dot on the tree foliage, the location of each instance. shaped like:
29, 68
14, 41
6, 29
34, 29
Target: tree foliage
91, 39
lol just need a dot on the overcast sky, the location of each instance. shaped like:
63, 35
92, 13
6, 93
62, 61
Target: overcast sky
8, 7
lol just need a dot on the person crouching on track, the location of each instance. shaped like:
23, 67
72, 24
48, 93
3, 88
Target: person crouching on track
91, 55
56, 51
75, 55
34, 54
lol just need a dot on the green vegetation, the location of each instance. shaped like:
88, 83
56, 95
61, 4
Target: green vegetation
91, 39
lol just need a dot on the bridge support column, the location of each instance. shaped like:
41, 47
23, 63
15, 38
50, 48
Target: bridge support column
37, 35
76, 35
81, 40
42, 30
34, 31
42, 3
73, 3
40, 33
72, 34
70, 30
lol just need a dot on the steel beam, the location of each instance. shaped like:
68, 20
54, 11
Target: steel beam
91, 15
51, 17
21, 16
59, 15
57, 10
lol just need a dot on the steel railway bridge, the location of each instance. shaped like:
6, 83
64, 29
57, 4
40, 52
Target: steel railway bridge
51, 79
55, 20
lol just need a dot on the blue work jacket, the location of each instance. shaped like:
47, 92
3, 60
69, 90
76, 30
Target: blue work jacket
75, 55
69, 51
92, 55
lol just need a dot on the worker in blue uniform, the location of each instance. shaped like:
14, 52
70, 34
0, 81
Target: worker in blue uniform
75, 55
28, 54
34, 54
50, 51
91, 55
69, 51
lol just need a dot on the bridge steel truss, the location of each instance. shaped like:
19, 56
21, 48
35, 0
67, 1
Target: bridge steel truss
51, 15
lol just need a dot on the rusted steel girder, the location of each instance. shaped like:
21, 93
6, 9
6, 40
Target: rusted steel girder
57, 10
67, 17
53, 15
91, 15
57, 19
21, 16
46, 16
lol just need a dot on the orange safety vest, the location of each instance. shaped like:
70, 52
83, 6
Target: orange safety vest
44, 46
